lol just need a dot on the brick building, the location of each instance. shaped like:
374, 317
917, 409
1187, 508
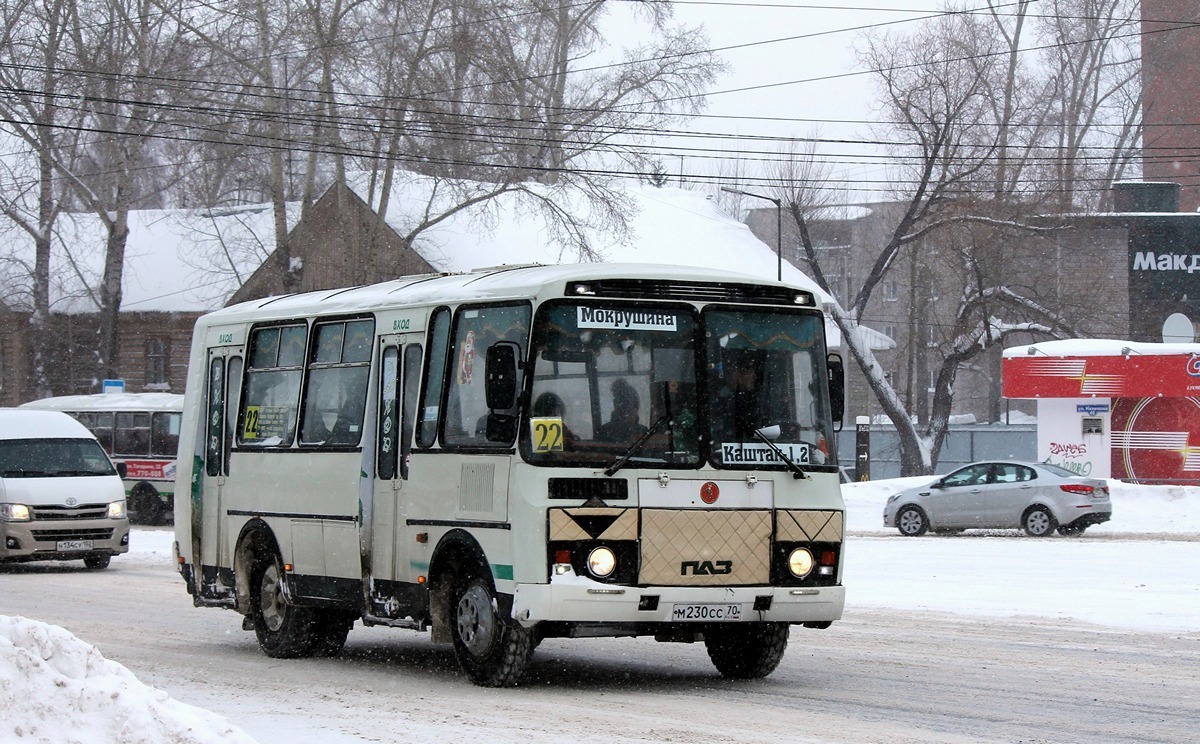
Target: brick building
179, 264
1170, 104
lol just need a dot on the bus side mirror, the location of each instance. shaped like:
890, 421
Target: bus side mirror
837, 386
501, 374
501, 427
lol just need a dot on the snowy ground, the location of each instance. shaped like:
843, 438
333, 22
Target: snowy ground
1136, 572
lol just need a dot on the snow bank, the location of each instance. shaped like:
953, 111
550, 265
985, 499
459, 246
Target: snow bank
55, 688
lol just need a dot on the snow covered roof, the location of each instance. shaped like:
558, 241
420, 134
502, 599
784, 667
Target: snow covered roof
669, 226
175, 260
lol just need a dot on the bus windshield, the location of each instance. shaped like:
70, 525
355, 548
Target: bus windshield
766, 373
607, 375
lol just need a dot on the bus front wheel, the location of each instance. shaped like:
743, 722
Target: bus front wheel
746, 651
491, 650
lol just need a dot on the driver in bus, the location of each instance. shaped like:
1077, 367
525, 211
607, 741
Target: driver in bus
736, 404
549, 405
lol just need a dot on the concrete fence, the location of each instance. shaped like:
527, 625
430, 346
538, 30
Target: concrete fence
963, 444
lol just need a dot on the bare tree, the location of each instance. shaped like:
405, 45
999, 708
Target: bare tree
119, 47
1094, 54
35, 110
935, 86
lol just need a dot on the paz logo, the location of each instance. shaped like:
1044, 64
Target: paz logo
709, 492
1193, 365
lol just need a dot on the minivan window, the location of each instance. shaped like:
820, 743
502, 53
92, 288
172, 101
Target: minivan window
52, 458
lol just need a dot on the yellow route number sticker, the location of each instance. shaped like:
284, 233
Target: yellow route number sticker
547, 434
250, 430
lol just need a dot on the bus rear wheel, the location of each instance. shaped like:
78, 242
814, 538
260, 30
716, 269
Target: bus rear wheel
284, 631
746, 651
493, 651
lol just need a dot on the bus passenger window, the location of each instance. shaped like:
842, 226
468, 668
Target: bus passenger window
269, 408
132, 434
164, 434
336, 392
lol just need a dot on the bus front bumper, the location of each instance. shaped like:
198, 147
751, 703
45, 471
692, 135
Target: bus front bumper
585, 601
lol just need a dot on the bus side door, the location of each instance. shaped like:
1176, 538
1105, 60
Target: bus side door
400, 374
224, 379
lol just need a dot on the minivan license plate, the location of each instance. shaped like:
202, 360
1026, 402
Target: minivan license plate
66, 545
706, 612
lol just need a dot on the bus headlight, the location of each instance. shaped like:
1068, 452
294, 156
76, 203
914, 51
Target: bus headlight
15, 513
800, 563
601, 562
116, 510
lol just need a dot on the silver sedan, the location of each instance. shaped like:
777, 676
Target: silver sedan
1036, 497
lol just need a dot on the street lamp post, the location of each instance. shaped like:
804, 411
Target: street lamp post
778, 225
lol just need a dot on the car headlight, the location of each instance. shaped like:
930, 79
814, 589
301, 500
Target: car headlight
800, 563
15, 513
116, 510
601, 562
893, 498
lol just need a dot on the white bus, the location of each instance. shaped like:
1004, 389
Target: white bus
140, 430
515, 454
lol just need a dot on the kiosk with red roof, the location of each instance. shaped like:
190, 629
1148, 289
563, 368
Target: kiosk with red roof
1113, 409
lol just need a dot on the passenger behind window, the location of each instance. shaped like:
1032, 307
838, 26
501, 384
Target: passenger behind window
623, 425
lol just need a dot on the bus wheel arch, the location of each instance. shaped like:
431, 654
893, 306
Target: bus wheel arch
284, 630
254, 544
455, 553
492, 649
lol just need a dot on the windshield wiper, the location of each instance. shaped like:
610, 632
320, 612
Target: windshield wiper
633, 448
798, 472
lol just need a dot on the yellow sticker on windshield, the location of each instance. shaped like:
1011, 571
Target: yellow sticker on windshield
250, 428
546, 433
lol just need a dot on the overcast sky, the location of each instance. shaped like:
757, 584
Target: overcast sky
793, 72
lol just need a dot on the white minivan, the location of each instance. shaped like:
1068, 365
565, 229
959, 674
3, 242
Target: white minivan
61, 497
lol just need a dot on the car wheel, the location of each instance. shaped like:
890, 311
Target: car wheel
96, 561
284, 631
746, 651
911, 522
491, 650
1038, 521
1072, 530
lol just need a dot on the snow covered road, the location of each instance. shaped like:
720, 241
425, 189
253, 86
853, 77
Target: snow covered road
959, 639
